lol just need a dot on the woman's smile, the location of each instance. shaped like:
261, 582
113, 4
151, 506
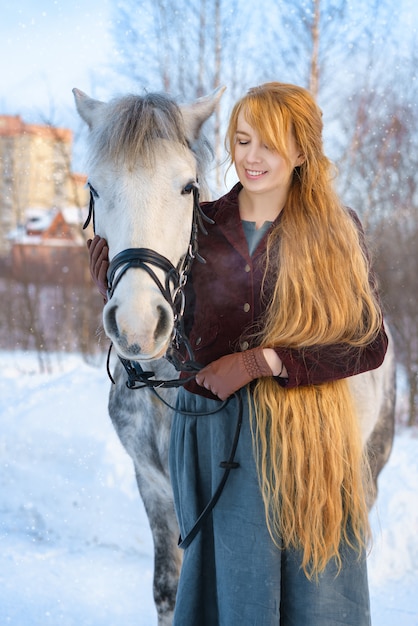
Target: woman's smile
255, 173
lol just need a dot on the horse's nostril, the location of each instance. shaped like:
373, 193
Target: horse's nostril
111, 323
163, 321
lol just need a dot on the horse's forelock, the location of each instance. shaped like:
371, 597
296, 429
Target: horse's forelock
131, 126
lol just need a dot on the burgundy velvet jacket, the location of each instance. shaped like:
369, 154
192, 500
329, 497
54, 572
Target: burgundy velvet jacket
223, 301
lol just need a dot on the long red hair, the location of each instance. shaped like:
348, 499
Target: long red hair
307, 441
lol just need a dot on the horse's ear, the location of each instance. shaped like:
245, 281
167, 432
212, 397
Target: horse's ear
86, 106
196, 113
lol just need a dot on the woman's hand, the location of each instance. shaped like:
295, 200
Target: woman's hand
231, 372
99, 263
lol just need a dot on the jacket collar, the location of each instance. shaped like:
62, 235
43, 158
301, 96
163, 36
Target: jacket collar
227, 219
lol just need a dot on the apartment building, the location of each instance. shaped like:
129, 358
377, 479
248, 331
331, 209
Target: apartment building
35, 174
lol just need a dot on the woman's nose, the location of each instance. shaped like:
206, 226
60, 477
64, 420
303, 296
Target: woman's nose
253, 155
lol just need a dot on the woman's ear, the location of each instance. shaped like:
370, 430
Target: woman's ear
301, 159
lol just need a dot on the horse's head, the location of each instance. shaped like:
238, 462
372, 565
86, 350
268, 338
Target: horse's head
145, 157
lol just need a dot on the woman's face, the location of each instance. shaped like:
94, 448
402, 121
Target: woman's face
259, 168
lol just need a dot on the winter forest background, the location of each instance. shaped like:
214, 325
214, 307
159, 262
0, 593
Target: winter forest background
360, 60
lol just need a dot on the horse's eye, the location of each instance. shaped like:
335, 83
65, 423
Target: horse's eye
188, 189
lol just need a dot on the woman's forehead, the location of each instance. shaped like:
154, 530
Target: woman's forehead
243, 125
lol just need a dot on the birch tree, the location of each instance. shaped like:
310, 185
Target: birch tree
188, 48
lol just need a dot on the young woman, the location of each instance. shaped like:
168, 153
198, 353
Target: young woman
284, 310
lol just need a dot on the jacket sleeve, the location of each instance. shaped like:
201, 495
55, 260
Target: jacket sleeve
320, 364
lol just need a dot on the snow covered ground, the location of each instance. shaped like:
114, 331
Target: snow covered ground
75, 547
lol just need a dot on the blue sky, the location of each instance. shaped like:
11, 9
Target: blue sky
47, 47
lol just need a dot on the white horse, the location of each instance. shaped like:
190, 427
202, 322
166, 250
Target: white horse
146, 156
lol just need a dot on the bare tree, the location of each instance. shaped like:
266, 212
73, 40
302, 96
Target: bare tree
326, 45
379, 176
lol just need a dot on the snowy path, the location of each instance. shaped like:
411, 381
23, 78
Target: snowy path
75, 548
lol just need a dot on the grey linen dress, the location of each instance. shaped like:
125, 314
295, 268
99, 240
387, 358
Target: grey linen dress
232, 572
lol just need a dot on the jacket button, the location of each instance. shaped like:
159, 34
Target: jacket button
247, 268
246, 307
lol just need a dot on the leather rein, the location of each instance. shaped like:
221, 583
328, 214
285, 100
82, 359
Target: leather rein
173, 292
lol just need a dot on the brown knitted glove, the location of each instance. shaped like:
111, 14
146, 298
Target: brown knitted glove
99, 263
231, 372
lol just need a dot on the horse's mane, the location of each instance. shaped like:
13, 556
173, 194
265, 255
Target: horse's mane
131, 125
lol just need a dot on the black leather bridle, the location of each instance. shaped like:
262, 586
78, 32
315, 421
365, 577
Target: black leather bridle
175, 279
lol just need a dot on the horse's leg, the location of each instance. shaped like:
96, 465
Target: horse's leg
143, 425
155, 490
